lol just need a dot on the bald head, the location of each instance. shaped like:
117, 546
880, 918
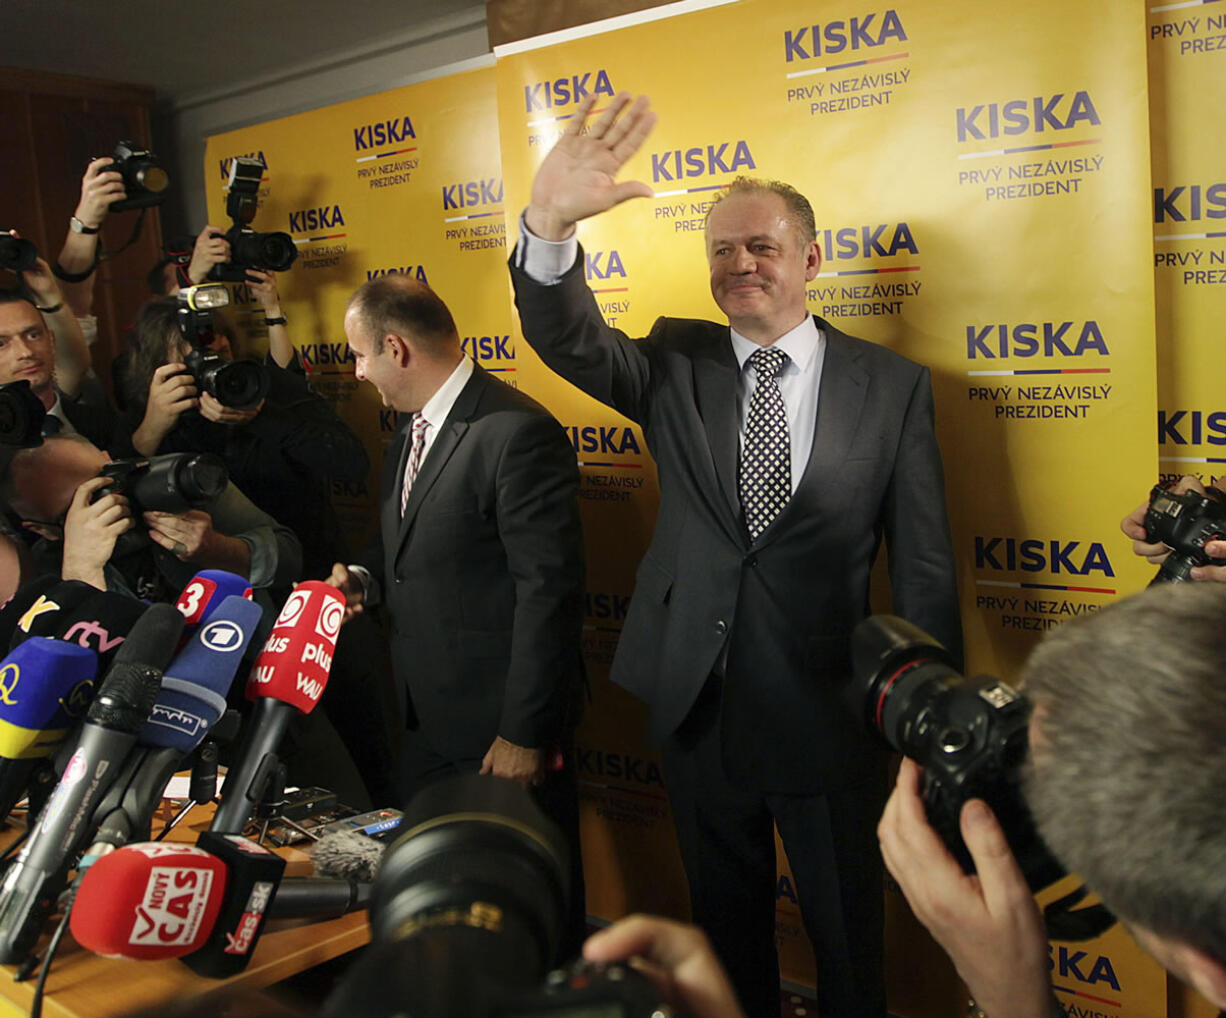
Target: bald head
42, 481
395, 304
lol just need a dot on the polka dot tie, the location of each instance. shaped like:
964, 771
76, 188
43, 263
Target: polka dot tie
765, 476
413, 463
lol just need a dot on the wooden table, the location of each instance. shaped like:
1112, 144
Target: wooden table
83, 985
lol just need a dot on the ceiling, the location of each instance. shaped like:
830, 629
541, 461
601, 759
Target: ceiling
191, 52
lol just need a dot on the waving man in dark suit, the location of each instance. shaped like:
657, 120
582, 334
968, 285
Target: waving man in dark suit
786, 449
479, 561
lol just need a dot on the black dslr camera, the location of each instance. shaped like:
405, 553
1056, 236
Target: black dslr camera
173, 483
466, 914
1184, 523
270, 252
16, 253
21, 415
970, 737
231, 383
144, 179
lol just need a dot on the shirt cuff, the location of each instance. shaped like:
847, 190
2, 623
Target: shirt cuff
371, 594
544, 261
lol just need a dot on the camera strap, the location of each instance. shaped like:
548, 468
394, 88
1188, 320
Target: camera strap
1066, 922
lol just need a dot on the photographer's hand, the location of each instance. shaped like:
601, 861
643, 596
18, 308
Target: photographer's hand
678, 959
190, 537
91, 530
211, 249
211, 409
988, 923
171, 392
1155, 552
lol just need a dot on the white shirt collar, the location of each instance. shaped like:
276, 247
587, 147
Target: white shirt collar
800, 344
439, 405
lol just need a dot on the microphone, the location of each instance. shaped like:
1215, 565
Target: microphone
205, 592
288, 678
45, 687
152, 901
116, 715
191, 699
39, 607
101, 622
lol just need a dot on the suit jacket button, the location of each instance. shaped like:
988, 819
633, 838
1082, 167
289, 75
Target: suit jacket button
721, 627
751, 561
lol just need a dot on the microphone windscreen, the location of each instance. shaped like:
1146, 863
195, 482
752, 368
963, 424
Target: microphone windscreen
101, 622
294, 664
45, 688
149, 901
194, 687
38, 608
348, 855
153, 638
206, 591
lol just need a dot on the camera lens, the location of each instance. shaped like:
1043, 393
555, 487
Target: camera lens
236, 383
21, 415
467, 907
17, 254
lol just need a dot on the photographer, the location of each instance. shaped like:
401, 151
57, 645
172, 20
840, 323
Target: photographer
1133, 525
1128, 744
52, 488
30, 350
280, 452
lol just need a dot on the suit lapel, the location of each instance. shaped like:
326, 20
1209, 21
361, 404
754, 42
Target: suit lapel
449, 436
715, 386
840, 401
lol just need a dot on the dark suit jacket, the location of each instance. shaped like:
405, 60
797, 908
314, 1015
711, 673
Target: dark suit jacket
483, 577
787, 602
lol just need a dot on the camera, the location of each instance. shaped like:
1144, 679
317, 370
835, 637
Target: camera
1184, 523
21, 415
173, 483
273, 252
231, 383
144, 179
16, 253
466, 914
970, 736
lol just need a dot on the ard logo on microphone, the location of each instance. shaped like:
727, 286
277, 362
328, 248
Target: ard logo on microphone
222, 636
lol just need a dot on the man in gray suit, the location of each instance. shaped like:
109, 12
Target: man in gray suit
786, 449
479, 560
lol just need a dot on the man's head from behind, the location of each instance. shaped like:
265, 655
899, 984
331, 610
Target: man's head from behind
27, 346
39, 483
403, 339
1129, 760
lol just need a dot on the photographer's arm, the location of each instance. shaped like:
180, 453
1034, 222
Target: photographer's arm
99, 187
988, 923
71, 350
264, 286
